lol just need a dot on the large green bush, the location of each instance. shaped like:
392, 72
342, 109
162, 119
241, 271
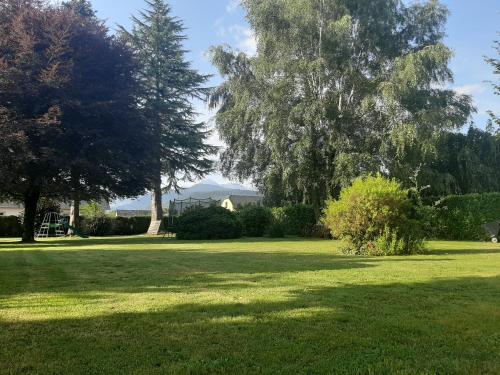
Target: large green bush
208, 224
373, 217
255, 220
297, 219
461, 218
124, 226
10, 226
98, 226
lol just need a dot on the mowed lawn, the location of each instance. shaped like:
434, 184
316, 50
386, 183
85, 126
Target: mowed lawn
157, 306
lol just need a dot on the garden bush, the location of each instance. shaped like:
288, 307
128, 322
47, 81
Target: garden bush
124, 226
297, 219
375, 217
10, 226
461, 218
208, 224
95, 222
276, 229
255, 220
98, 226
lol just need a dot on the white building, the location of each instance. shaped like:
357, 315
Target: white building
16, 209
233, 202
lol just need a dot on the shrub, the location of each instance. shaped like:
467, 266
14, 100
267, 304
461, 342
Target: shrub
123, 226
374, 217
318, 231
10, 226
296, 219
255, 220
461, 218
208, 224
95, 222
99, 226
276, 230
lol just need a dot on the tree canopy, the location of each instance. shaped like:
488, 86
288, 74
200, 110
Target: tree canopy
495, 64
338, 89
68, 117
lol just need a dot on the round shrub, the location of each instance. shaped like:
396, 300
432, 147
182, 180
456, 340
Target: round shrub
209, 223
255, 220
374, 217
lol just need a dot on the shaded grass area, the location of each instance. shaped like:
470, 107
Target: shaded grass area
153, 306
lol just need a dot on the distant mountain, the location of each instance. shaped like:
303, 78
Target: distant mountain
206, 189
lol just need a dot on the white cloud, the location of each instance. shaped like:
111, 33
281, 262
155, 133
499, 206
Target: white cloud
239, 36
232, 5
471, 89
245, 39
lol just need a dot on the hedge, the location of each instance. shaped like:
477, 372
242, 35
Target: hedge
118, 226
209, 223
256, 220
461, 217
10, 226
297, 219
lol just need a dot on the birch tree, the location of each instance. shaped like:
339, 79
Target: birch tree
338, 89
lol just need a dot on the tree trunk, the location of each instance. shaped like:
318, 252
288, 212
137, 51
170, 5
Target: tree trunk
156, 208
74, 216
156, 204
30, 205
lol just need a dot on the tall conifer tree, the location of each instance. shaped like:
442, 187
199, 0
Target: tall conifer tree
169, 84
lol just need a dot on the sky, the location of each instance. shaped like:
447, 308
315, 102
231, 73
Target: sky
471, 29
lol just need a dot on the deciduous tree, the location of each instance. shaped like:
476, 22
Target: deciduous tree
337, 89
68, 115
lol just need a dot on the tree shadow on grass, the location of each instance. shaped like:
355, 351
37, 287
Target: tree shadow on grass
139, 240
186, 270
443, 326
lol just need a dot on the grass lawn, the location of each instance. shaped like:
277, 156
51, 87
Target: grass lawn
153, 306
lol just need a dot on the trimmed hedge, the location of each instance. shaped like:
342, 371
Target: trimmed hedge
255, 220
123, 226
10, 226
461, 217
102, 226
209, 223
297, 219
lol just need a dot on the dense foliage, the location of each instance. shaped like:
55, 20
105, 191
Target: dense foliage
255, 220
297, 219
10, 226
338, 89
68, 118
374, 217
209, 223
462, 217
461, 164
495, 64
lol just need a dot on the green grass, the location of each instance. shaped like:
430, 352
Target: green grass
154, 306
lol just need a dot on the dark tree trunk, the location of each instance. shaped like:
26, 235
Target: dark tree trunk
74, 216
30, 205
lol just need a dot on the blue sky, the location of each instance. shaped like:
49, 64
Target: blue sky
471, 29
